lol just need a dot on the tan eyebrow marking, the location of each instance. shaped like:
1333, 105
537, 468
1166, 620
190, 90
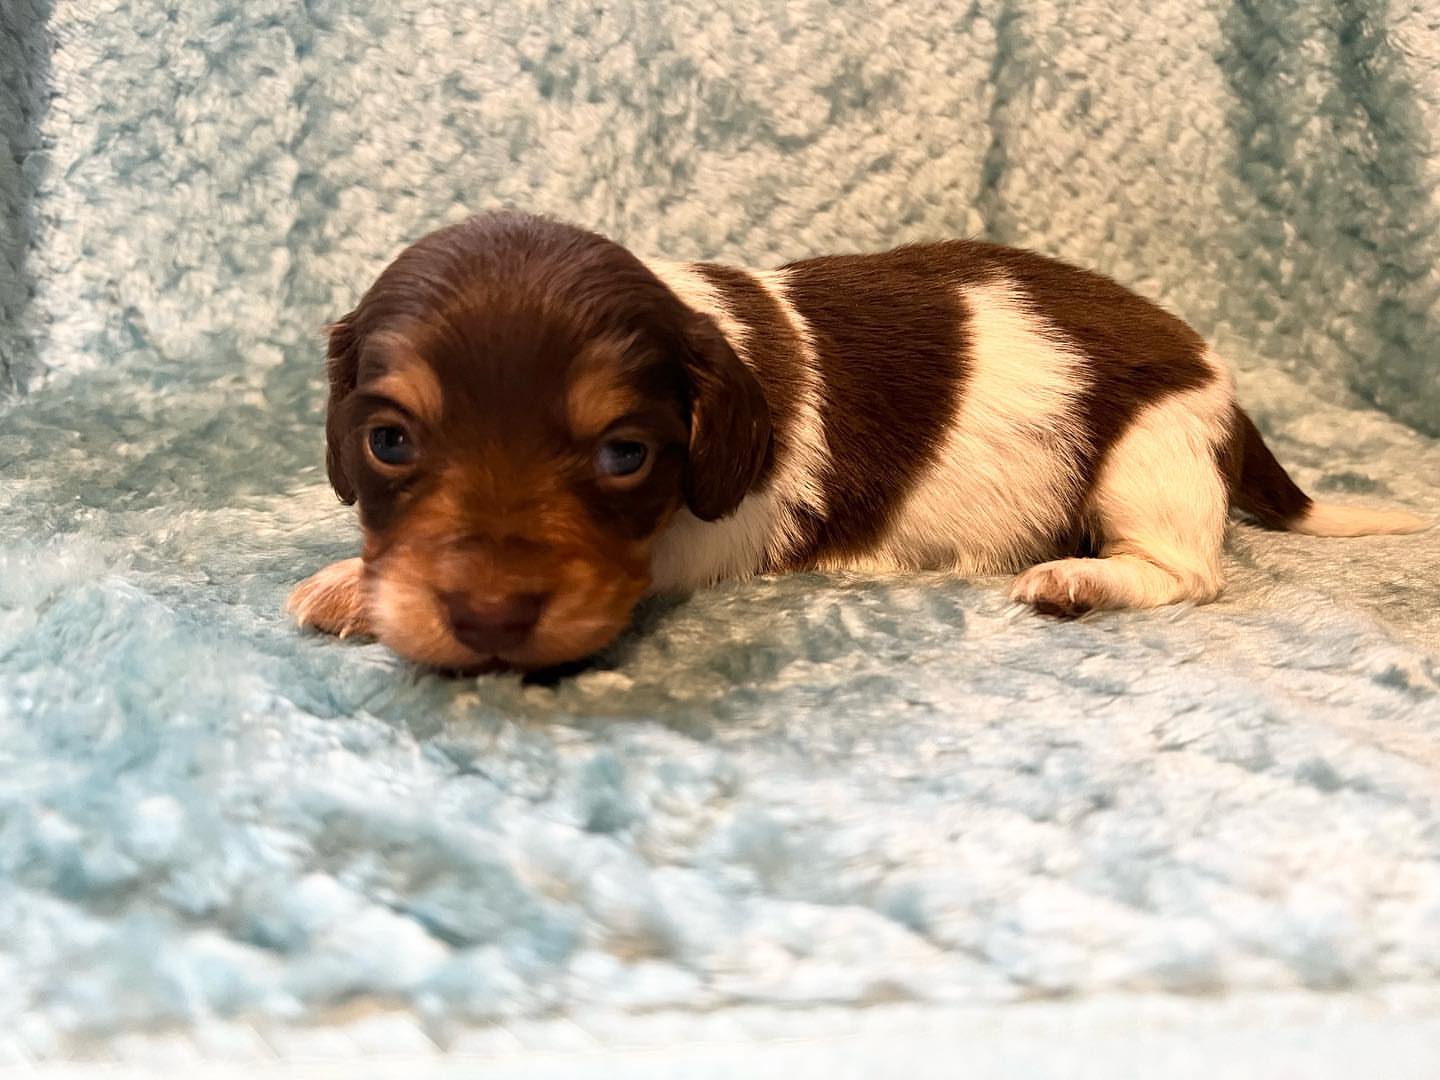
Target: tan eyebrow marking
598, 393
408, 380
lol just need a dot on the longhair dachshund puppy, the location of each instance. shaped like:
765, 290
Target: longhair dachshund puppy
540, 428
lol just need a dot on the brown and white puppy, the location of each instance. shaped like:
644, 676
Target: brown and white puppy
540, 428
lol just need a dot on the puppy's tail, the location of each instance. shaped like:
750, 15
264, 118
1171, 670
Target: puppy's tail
1261, 488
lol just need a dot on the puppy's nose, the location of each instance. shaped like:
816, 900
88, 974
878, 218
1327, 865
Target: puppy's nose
492, 624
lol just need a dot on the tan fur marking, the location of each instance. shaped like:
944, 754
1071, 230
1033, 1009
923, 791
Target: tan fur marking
333, 600
408, 380
598, 394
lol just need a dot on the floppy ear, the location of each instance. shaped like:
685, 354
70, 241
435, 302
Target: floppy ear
343, 363
730, 438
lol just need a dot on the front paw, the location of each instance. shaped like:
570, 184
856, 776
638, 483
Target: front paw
332, 600
1067, 588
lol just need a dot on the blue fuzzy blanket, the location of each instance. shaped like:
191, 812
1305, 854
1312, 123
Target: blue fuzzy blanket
789, 806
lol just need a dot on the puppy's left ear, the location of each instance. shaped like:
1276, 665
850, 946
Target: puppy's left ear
730, 436
343, 365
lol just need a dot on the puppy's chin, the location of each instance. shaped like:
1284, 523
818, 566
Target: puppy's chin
409, 619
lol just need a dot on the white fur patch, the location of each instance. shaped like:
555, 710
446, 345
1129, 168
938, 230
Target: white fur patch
1006, 479
686, 282
800, 478
766, 527
1161, 508
1327, 519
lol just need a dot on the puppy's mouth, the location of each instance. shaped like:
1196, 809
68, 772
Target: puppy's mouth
465, 634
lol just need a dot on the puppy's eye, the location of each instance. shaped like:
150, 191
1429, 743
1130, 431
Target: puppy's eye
391, 445
621, 457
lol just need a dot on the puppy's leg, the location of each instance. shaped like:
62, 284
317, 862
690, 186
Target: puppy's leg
332, 600
1160, 507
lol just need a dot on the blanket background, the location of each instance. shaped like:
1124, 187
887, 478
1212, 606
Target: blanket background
771, 797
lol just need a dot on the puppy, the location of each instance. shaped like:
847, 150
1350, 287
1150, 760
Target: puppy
540, 428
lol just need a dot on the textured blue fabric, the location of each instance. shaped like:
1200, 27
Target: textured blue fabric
783, 793
24, 67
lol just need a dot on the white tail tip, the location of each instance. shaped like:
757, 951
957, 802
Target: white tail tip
1326, 519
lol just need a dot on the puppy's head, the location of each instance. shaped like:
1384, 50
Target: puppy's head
519, 407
